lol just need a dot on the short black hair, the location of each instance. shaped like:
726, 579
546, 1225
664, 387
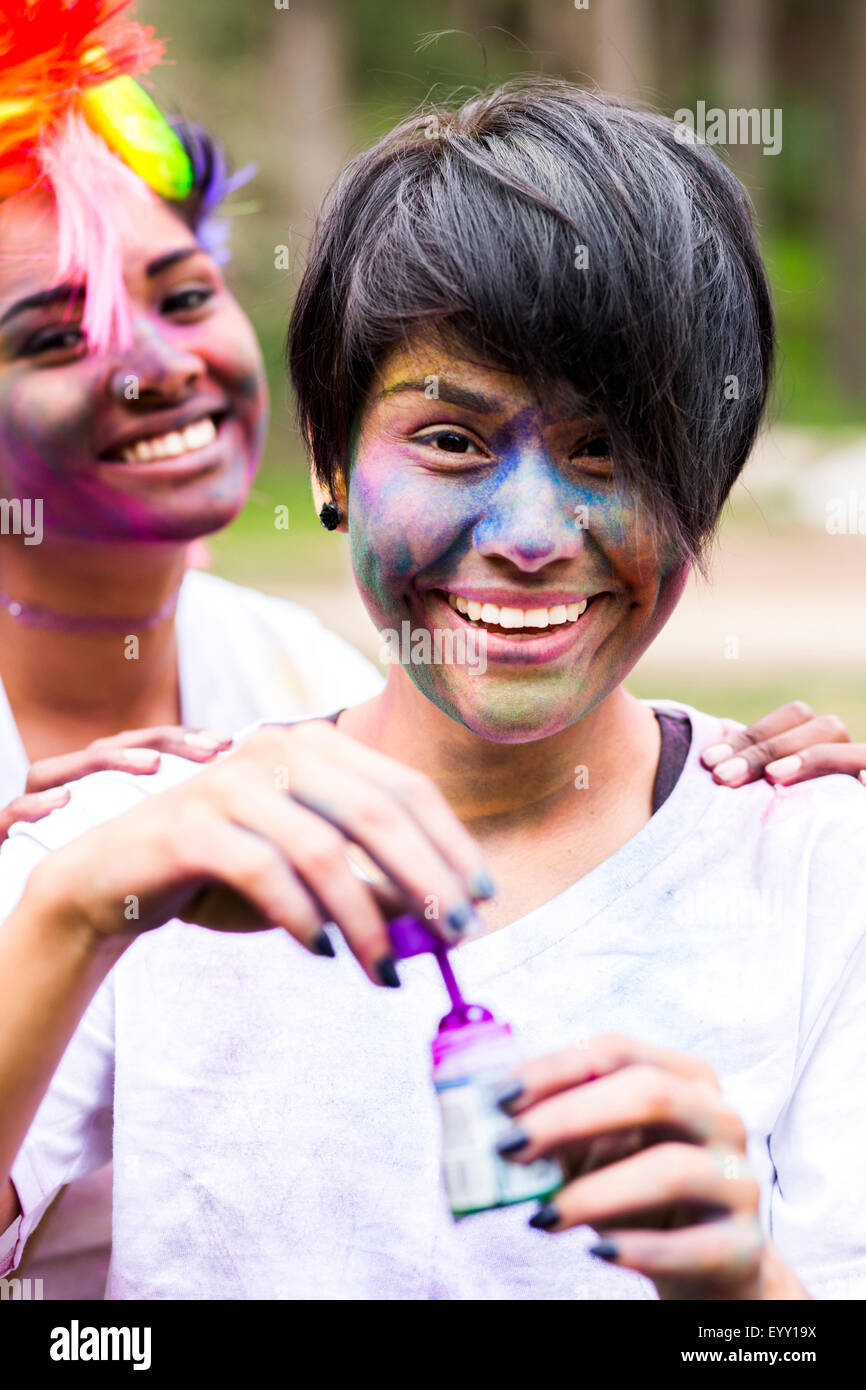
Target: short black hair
467, 219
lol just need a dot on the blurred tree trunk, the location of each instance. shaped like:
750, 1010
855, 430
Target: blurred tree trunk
562, 38
475, 15
848, 199
677, 50
743, 79
624, 60
308, 87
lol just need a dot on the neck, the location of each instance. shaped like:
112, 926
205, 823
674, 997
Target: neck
518, 783
63, 679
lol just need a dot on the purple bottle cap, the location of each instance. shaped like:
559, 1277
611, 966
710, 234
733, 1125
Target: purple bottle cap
410, 937
463, 1034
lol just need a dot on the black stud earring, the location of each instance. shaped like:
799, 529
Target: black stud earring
330, 516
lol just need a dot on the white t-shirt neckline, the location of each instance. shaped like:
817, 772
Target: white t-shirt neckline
548, 923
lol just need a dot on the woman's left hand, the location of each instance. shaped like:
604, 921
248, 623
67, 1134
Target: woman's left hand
655, 1161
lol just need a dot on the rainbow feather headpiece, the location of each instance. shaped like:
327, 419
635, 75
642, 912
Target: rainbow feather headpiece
73, 119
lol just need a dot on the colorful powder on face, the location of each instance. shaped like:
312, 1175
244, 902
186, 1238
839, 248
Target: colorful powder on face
510, 511
59, 413
67, 100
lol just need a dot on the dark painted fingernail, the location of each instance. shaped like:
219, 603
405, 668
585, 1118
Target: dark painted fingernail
387, 972
545, 1217
604, 1250
459, 917
512, 1142
509, 1094
481, 886
322, 946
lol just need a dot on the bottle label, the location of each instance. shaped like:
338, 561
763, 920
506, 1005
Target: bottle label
476, 1177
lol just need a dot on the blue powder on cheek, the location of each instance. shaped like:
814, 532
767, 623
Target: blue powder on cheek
379, 539
404, 522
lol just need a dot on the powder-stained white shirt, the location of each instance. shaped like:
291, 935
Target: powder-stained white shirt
242, 656
275, 1129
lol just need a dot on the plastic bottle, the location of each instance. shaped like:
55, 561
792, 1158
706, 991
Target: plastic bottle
471, 1060
473, 1055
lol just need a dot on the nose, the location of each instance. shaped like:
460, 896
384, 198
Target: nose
530, 519
155, 371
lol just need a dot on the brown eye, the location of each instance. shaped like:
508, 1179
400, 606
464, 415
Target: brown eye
449, 441
182, 301
596, 448
65, 339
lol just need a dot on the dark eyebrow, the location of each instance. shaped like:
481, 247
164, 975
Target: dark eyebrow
448, 391
45, 298
42, 298
170, 258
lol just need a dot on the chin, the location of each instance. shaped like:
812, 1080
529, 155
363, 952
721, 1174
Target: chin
510, 717
184, 513
188, 524
505, 729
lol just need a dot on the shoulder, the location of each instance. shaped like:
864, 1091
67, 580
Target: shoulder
282, 645
825, 817
210, 596
830, 815
94, 799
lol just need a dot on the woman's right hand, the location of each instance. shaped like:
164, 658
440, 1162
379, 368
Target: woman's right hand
260, 839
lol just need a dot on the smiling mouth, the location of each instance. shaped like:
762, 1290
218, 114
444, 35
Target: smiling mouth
173, 444
516, 622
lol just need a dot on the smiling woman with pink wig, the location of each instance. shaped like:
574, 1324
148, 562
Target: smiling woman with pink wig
133, 412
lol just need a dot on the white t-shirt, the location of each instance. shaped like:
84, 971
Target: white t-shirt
242, 656
275, 1130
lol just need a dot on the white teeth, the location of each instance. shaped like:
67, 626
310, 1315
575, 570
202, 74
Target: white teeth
511, 617
492, 613
173, 444
201, 433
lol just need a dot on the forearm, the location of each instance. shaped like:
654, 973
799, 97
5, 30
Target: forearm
50, 968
